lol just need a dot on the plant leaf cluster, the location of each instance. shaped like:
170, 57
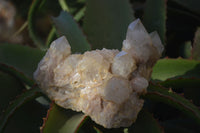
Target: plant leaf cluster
173, 96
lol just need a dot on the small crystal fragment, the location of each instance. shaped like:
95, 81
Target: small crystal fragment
113, 90
139, 84
138, 41
104, 84
157, 42
123, 64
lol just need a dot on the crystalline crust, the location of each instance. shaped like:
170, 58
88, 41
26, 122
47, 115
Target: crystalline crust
104, 84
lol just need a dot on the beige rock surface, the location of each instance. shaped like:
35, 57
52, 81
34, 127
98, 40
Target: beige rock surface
104, 84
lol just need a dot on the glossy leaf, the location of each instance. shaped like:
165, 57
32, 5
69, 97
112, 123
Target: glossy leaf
178, 11
23, 120
65, 25
23, 59
60, 120
106, 22
192, 5
26, 119
145, 123
155, 17
74, 123
196, 45
190, 87
180, 126
9, 89
185, 49
174, 68
14, 72
160, 94
19, 101
181, 83
31, 17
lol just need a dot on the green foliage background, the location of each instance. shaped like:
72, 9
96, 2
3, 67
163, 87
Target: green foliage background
173, 97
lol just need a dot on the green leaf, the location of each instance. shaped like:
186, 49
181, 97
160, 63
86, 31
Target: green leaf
80, 14
60, 120
9, 89
73, 124
125, 130
192, 5
19, 101
26, 119
155, 17
178, 11
185, 49
65, 25
51, 36
180, 126
63, 5
106, 22
190, 87
196, 45
145, 123
14, 72
161, 94
18, 59
31, 27
174, 68
181, 83
97, 130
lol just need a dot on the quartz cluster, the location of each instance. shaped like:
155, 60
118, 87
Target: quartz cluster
104, 84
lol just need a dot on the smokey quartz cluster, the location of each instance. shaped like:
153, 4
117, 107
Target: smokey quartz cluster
104, 84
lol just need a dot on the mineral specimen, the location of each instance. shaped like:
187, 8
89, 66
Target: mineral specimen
104, 84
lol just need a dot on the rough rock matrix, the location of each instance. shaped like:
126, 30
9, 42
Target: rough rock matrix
104, 84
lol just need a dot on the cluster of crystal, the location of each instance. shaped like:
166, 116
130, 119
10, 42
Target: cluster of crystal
104, 84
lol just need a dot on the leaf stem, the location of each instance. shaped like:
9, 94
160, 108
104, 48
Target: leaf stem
31, 14
63, 5
20, 29
80, 14
51, 36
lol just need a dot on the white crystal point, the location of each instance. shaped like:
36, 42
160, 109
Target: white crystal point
117, 90
59, 49
139, 84
138, 41
108, 54
123, 64
61, 46
157, 42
